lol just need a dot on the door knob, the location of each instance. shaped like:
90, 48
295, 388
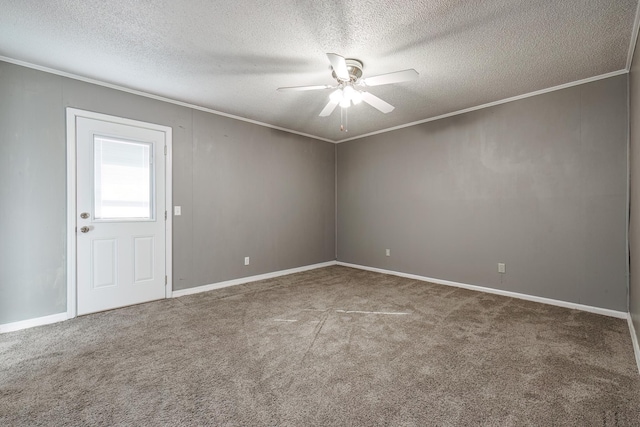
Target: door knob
85, 229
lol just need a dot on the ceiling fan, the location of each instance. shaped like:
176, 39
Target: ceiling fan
350, 88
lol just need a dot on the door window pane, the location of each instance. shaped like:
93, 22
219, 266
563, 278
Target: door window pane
123, 179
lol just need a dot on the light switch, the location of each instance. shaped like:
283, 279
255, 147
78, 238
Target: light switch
177, 210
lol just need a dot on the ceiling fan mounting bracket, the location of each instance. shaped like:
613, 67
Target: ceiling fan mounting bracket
354, 67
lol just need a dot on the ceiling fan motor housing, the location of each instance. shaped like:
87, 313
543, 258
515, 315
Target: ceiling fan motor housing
354, 67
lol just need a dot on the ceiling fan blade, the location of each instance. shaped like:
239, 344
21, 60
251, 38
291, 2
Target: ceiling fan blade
303, 88
395, 77
328, 109
339, 66
377, 103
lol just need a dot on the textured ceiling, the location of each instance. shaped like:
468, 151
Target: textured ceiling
230, 56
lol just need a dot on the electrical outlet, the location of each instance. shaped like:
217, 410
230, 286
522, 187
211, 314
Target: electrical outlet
388, 252
502, 268
246, 260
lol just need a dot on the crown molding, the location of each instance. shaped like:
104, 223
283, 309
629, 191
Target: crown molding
255, 122
156, 97
634, 38
492, 104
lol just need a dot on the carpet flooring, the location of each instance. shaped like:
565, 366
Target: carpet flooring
328, 347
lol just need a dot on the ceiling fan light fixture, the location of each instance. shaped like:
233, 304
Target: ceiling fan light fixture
348, 91
350, 95
336, 95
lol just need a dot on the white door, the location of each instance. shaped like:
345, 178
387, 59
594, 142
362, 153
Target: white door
120, 214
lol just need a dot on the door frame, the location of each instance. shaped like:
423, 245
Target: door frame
72, 115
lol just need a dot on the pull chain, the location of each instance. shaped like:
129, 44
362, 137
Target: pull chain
343, 120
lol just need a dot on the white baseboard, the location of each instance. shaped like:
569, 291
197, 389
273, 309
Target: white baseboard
54, 318
634, 341
30, 323
590, 309
243, 280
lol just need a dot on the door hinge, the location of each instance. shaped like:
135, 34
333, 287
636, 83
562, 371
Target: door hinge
165, 280
165, 150
165, 215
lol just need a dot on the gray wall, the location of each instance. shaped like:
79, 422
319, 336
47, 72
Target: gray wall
634, 191
539, 184
245, 190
